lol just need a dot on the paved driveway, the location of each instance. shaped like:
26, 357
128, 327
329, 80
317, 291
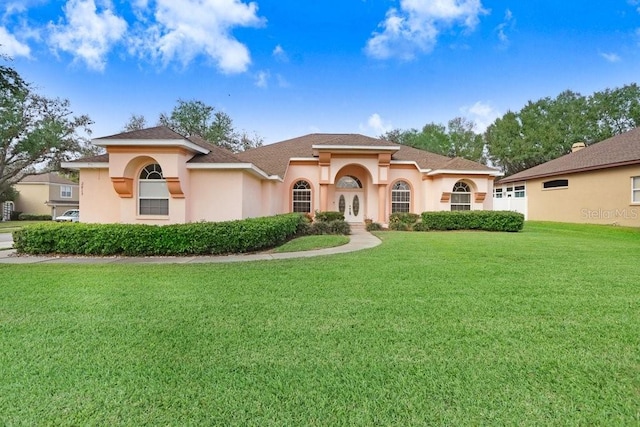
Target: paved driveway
6, 241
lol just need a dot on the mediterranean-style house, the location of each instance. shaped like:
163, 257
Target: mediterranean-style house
598, 184
43, 194
157, 176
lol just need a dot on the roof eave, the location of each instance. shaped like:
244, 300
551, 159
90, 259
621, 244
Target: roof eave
465, 172
515, 178
249, 167
85, 165
182, 143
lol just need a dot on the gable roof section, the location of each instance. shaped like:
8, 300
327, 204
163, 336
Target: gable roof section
155, 136
619, 150
274, 158
47, 178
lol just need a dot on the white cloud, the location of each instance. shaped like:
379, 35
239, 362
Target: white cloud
610, 57
282, 82
507, 24
377, 125
415, 27
10, 46
87, 34
262, 79
280, 54
185, 29
482, 114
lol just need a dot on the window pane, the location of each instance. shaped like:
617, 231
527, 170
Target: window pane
636, 189
154, 207
460, 198
153, 189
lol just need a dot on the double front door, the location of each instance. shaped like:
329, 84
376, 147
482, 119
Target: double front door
351, 205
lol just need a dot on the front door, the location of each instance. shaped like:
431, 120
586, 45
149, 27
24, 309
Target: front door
351, 205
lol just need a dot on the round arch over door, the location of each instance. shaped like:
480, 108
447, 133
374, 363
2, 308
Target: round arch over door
350, 198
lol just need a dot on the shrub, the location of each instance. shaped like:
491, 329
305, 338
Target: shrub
473, 220
403, 221
14, 215
340, 227
200, 238
329, 216
420, 226
33, 217
374, 226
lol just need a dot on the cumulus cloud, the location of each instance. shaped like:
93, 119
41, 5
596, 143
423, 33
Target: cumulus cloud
610, 57
10, 46
86, 33
483, 114
377, 125
185, 29
415, 27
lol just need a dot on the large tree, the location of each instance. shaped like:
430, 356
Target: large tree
547, 128
36, 132
456, 139
197, 118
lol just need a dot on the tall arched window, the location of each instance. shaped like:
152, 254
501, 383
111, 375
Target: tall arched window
302, 197
153, 195
400, 197
461, 197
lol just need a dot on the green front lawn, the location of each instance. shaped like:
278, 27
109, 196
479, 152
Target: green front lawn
308, 243
11, 226
462, 328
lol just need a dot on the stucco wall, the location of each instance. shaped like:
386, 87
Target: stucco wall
596, 197
99, 203
32, 198
216, 195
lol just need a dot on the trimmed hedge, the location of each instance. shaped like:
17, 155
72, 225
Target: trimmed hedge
33, 217
473, 220
199, 238
329, 216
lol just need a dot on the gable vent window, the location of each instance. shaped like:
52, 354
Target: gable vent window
635, 189
153, 193
556, 183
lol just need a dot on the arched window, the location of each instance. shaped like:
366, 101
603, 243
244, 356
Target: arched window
348, 181
153, 195
400, 197
461, 197
302, 197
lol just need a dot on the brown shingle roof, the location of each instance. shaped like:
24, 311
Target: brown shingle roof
158, 132
101, 158
619, 150
274, 158
49, 177
216, 155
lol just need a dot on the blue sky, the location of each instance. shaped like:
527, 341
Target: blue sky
285, 68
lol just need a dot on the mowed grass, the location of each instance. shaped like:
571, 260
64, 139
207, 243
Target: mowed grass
540, 327
308, 243
11, 226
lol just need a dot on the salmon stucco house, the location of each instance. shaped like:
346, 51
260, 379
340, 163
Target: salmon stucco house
156, 176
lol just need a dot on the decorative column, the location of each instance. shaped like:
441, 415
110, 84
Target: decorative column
324, 195
382, 202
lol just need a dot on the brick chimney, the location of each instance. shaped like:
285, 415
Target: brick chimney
577, 146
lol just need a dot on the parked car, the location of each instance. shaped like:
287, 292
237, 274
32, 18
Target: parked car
72, 215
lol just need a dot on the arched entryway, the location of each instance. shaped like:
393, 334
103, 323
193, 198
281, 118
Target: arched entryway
350, 193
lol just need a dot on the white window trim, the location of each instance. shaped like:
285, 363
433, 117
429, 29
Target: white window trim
635, 191
401, 203
301, 191
62, 192
141, 215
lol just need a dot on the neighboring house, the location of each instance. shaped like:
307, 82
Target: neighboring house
598, 184
46, 194
157, 176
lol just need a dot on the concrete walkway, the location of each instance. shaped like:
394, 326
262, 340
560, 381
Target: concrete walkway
359, 239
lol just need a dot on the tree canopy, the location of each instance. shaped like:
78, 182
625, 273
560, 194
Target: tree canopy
36, 132
541, 131
456, 139
194, 117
